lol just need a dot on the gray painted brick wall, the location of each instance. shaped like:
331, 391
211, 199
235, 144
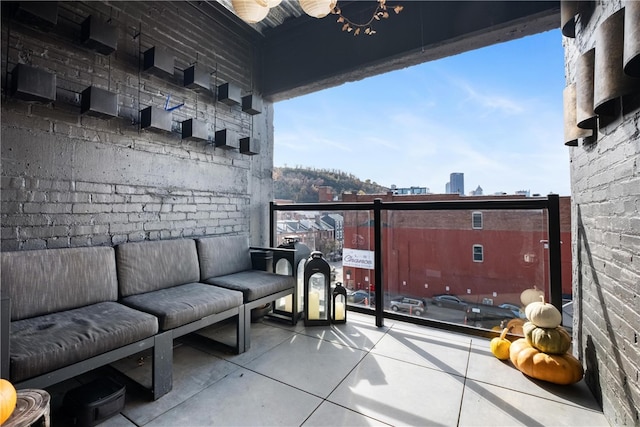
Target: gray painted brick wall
605, 177
74, 180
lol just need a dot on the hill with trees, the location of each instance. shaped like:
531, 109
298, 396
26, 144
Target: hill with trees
301, 184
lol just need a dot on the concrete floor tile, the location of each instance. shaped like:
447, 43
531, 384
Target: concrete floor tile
263, 339
401, 393
355, 333
311, 364
486, 404
117, 420
430, 331
435, 352
331, 415
193, 370
243, 398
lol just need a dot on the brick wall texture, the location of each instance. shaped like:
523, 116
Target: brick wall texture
74, 180
605, 179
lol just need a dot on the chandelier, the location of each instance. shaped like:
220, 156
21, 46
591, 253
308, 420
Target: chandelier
254, 11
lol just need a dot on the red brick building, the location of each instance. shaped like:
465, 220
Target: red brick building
477, 255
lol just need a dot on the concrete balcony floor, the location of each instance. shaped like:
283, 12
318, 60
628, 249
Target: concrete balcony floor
348, 375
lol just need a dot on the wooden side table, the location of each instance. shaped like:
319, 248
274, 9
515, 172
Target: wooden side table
32, 409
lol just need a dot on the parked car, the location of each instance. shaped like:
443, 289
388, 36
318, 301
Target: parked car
515, 309
449, 301
412, 305
359, 297
487, 316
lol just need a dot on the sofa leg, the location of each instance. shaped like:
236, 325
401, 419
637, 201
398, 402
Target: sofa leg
162, 364
242, 329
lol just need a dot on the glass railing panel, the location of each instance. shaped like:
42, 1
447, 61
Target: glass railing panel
467, 267
464, 267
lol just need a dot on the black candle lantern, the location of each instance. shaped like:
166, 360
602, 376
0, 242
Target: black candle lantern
291, 306
339, 304
317, 287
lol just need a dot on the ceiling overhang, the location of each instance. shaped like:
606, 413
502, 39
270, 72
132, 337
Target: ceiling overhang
299, 54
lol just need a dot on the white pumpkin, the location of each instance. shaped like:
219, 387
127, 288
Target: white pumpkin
543, 314
530, 295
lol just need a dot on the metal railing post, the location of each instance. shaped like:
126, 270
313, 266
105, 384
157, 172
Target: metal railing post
555, 264
377, 263
272, 225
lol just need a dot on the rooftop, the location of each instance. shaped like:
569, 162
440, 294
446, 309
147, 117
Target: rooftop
352, 374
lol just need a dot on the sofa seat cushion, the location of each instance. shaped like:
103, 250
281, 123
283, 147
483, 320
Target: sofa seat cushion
254, 284
179, 305
51, 341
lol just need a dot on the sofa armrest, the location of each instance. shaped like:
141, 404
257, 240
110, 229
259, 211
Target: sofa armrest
281, 250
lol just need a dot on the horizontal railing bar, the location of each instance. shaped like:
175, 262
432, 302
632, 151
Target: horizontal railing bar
520, 204
336, 206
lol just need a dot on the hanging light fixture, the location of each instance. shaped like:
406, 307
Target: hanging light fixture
269, 3
318, 8
381, 12
251, 11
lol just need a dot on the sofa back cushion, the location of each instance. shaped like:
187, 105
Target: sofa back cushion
52, 280
149, 266
222, 255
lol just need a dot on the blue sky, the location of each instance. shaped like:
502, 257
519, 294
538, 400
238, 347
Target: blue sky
494, 114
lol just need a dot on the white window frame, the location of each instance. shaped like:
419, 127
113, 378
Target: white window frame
473, 253
473, 222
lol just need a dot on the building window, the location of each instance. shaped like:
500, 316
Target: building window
478, 253
476, 220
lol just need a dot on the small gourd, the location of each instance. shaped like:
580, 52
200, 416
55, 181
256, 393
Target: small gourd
8, 399
500, 345
547, 340
543, 314
561, 369
530, 295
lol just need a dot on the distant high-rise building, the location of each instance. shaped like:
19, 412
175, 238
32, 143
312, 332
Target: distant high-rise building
456, 183
477, 191
447, 188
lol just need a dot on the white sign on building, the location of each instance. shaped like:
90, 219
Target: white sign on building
357, 258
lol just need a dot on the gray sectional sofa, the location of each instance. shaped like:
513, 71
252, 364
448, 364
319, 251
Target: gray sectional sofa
73, 310
65, 319
225, 261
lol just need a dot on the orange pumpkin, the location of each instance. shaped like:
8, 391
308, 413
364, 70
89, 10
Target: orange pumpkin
8, 399
555, 368
515, 326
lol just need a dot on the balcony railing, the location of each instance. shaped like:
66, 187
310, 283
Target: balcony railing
418, 249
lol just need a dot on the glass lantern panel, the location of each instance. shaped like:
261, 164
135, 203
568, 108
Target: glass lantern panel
318, 304
340, 307
283, 267
284, 304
